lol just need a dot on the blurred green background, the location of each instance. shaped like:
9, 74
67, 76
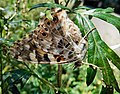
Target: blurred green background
16, 22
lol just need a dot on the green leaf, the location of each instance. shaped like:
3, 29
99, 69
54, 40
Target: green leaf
79, 21
48, 14
91, 72
97, 11
18, 76
99, 54
49, 5
14, 89
111, 55
81, 7
107, 10
109, 18
62, 91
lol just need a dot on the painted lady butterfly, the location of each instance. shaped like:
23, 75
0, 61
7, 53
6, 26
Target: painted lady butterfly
54, 41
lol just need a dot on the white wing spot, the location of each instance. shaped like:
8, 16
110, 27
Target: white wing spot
27, 46
20, 58
33, 56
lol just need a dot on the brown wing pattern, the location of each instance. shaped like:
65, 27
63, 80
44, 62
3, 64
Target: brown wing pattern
53, 41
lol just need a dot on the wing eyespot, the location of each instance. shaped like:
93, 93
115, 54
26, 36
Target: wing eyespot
55, 19
46, 29
44, 34
48, 23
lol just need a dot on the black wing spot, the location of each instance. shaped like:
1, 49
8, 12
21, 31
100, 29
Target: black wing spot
76, 42
59, 10
38, 57
39, 25
44, 34
48, 23
46, 29
41, 39
70, 54
61, 41
55, 19
67, 45
60, 46
58, 59
46, 58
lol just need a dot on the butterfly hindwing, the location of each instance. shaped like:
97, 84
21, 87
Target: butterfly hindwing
56, 40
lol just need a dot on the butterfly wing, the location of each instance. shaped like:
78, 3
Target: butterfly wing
54, 41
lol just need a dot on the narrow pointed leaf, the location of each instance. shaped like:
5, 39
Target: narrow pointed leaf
91, 72
81, 7
18, 76
49, 5
98, 11
109, 18
101, 10
80, 22
111, 55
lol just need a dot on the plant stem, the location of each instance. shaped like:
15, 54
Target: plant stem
76, 4
45, 81
59, 76
1, 66
56, 1
67, 3
40, 78
1, 76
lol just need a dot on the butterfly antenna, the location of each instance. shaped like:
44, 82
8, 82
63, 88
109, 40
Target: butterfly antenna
86, 35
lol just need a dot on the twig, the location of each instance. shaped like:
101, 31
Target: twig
95, 66
86, 35
1, 75
67, 3
56, 1
59, 76
55, 62
76, 4
43, 80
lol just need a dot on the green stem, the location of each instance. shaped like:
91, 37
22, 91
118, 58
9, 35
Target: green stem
42, 79
59, 76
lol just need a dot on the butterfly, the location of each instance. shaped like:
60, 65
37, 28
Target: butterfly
54, 41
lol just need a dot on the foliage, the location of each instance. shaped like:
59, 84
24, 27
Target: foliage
20, 77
